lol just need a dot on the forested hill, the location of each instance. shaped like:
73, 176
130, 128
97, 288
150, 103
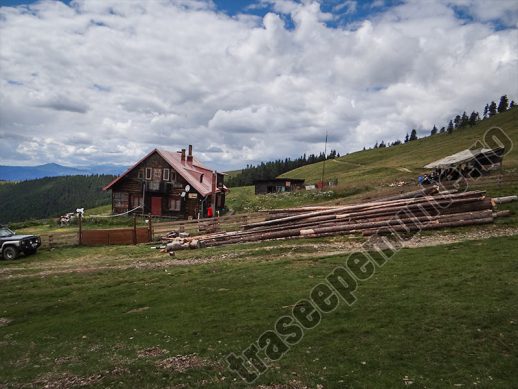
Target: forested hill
271, 169
51, 196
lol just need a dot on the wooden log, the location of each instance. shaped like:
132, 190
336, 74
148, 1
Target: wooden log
405, 221
346, 227
433, 207
409, 214
367, 206
505, 199
471, 206
502, 213
428, 226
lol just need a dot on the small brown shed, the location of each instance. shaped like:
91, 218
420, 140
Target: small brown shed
278, 185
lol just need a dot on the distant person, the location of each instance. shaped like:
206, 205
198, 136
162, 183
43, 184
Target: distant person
420, 180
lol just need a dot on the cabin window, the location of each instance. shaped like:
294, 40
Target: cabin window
136, 201
141, 174
175, 203
173, 176
120, 200
149, 173
157, 174
166, 174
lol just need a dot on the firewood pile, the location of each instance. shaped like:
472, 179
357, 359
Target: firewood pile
425, 209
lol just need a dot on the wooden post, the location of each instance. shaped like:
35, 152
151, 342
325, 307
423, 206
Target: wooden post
134, 228
213, 189
80, 229
150, 226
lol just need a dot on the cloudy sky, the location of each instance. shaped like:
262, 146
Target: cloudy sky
105, 81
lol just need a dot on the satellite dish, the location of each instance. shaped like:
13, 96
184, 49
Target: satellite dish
187, 188
183, 194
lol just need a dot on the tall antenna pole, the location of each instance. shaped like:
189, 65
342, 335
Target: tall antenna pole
324, 164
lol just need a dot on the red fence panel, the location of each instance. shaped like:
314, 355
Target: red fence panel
115, 236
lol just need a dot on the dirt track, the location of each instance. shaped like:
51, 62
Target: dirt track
337, 246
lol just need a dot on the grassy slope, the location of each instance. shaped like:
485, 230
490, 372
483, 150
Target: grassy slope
441, 316
368, 173
232, 173
386, 165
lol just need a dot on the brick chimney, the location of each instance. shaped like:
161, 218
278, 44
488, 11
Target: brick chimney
183, 155
189, 156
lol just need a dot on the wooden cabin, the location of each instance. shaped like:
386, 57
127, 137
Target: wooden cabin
278, 185
167, 183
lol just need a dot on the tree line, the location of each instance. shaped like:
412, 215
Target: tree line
272, 169
458, 122
51, 196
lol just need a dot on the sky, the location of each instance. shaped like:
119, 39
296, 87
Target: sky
88, 82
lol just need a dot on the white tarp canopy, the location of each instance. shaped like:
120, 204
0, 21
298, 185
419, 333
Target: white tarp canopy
463, 156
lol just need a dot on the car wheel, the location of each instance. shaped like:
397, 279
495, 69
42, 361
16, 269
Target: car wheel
10, 252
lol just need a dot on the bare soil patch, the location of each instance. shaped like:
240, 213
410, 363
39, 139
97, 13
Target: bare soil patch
181, 363
151, 352
4, 321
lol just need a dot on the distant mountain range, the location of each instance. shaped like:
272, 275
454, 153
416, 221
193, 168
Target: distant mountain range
21, 173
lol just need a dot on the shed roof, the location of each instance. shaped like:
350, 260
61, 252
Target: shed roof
461, 157
190, 170
280, 180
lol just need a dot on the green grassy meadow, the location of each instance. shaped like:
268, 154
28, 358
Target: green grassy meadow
440, 316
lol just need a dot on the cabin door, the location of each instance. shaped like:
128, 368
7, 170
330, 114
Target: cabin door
156, 206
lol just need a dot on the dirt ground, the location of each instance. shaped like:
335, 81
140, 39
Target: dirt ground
339, 246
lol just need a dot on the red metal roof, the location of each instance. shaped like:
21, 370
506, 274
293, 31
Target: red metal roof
190, 170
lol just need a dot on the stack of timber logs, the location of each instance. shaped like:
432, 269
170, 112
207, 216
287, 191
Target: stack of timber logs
425, 209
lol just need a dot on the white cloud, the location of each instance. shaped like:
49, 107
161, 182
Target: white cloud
106, 81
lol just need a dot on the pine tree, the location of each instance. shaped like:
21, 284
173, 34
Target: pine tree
407, 138
456, 121
486, 111
442, 130
450, 127
504, 104
434, 130
473, 118
492, 109
464, 120
413, 134
382, 144
512, 104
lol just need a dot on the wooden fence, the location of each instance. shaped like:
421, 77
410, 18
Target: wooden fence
115, 236
96, 237
59, 239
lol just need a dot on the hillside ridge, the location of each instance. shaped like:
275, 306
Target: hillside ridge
407, 160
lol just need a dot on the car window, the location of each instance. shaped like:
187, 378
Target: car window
4, 232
